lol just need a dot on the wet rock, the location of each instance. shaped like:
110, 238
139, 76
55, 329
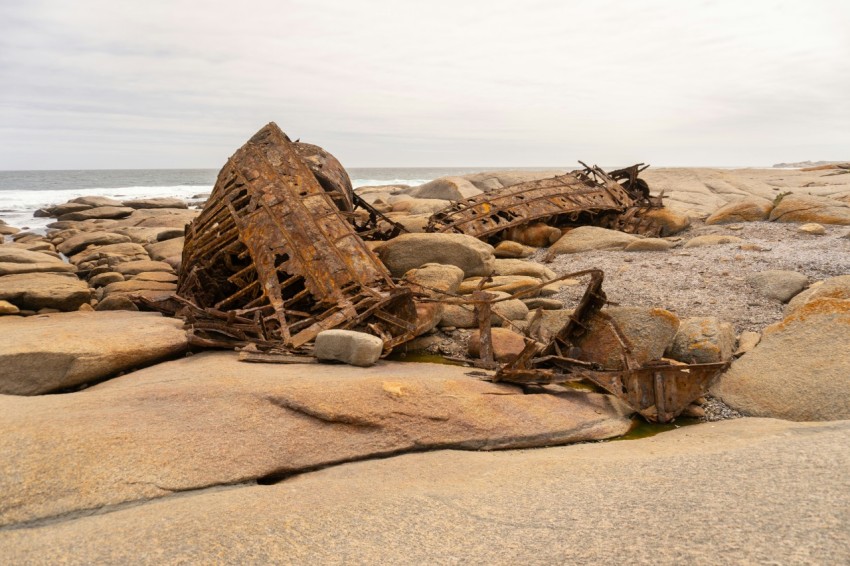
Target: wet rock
712, 240
348, 346
832, 288
809, 208
506, 344
211, 420
702, 340
45, 353
79, 242
34, 291
780, 285
410, 251
799, 371
748, 209
589, 238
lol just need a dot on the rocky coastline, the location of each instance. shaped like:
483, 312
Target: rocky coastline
113, 423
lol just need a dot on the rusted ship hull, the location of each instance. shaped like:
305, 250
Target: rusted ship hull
588, 196
272, 260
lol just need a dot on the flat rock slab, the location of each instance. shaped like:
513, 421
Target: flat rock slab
210, 420
9, 254
79, 242
44, 353
35, 291
752, 491
807, 208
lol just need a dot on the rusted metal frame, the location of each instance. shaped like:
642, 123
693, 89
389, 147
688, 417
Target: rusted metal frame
658, 390
510, 201
371, 229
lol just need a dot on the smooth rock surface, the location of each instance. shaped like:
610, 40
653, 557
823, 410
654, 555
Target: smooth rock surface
159, 202
166, 248
649, 245
348, 346
210, 420
106, 212
35, 291
410, 251
800, 369
9, 254
648, 331
434, 279
46, 267
44, 353
78, 242
746, 491
778, 284
832, 288
587, 238
746, 209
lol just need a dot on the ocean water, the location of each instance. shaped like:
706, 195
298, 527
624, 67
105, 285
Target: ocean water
24, 192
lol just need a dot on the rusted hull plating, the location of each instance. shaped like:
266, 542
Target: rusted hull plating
658, 390
588, 196
272, 260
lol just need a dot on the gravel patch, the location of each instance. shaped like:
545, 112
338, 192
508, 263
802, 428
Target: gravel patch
711, 280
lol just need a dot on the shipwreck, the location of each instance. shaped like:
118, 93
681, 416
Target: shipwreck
279, 254
274, 258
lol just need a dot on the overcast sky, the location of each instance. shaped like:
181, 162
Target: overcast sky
179, 83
